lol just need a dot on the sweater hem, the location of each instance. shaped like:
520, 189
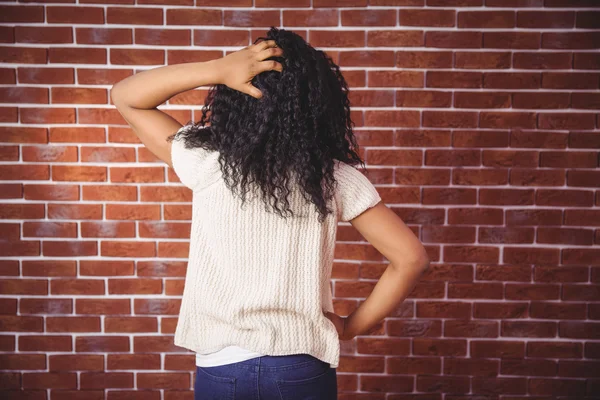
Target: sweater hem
332, 360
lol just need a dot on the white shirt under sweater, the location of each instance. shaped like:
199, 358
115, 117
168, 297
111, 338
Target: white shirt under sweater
257, 284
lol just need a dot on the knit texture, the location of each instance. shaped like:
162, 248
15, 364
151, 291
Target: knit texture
255, 279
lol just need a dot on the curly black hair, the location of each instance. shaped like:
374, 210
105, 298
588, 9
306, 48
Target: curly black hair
296, 131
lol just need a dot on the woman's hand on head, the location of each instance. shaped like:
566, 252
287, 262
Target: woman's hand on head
240, 67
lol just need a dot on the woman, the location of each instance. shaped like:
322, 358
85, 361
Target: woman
271, 168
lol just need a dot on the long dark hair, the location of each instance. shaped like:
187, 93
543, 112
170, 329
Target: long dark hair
299, 128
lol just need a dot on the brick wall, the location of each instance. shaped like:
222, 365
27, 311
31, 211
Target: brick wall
480, 126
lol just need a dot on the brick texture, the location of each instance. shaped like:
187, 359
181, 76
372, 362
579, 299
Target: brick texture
479, 121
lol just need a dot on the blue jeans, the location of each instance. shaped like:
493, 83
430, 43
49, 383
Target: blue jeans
288, 377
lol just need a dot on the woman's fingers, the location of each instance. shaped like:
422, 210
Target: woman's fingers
253, 91
269, 52
265, 44
270, 65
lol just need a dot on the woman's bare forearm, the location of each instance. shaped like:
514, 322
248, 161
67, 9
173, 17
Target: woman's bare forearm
393, 287
151, 88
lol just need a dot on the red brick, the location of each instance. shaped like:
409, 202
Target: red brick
539, 60
585, 100
158, 193
24, 172
533, 291
497, 349
451, 79
140, 16
133, 361
511, 40
337, 39
486, 19
340, 3
137, 56
105, 268
172, 380
157, 306
199, 17
514, 3
441, 347
76, 362
75, 15
377, 38
74, 211
130, 324
77, 286
155, 344
50, 229
74, 134
23, 361
53, 343
369, 17
554, 349
104, 36
423, 98
102, 380
98, 76
454, 3
483, 60
77, 55
23, 13
546, 20
541, 100
570, 40
102, 343
529, 329
50, 380
49, 192
137, 174
587, 19
254, 18
567, 80
396, 78
450, 39
586, 61
490, 119
566, 121
449, 119
45, 306
108, 229
553, 386
171, 37
24, 95
43, 34
481, 100
462, 328
79, 95
367, 58
71, 248
313, 17
424, 59
73, 324
416, 17
29, 55
393, 118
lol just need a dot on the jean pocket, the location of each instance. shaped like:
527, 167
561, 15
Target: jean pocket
316, 383
208, 385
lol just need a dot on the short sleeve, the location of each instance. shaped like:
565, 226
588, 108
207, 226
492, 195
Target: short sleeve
195, 167
355, 193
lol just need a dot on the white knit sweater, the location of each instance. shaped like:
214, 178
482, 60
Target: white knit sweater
254, 279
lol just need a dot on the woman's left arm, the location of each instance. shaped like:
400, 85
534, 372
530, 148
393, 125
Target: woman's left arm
136, 98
